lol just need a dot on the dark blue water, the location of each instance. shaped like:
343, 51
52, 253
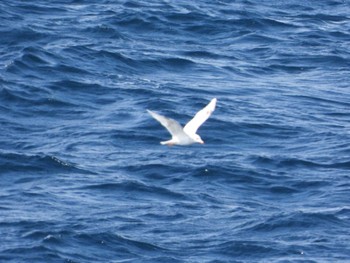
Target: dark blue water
83, 177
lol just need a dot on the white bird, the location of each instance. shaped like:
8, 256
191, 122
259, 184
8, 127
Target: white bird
186, 135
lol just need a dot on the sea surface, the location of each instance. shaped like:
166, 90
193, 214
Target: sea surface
83, 177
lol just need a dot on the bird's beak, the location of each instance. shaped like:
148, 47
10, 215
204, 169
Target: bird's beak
201, 142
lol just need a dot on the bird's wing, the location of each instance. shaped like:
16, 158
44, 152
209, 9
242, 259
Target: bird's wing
171, 125
201, 116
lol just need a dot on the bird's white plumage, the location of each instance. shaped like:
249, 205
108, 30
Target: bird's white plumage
186, 135
171, 125
192, 126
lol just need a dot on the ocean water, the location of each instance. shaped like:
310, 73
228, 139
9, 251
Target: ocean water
83, 177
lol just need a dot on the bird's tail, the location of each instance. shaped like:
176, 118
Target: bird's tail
169, 143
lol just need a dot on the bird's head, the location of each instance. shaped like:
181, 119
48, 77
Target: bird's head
198, 139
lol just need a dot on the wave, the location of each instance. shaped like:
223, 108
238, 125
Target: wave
36, 163
299, 221
133, 189
280, 161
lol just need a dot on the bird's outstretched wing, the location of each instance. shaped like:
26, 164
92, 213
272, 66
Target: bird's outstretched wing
201, 116
171, 125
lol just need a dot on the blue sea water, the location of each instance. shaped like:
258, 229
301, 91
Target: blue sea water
83, 177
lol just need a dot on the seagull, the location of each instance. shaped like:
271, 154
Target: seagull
186, 135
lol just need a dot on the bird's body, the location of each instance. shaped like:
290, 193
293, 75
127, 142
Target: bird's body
186, 135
